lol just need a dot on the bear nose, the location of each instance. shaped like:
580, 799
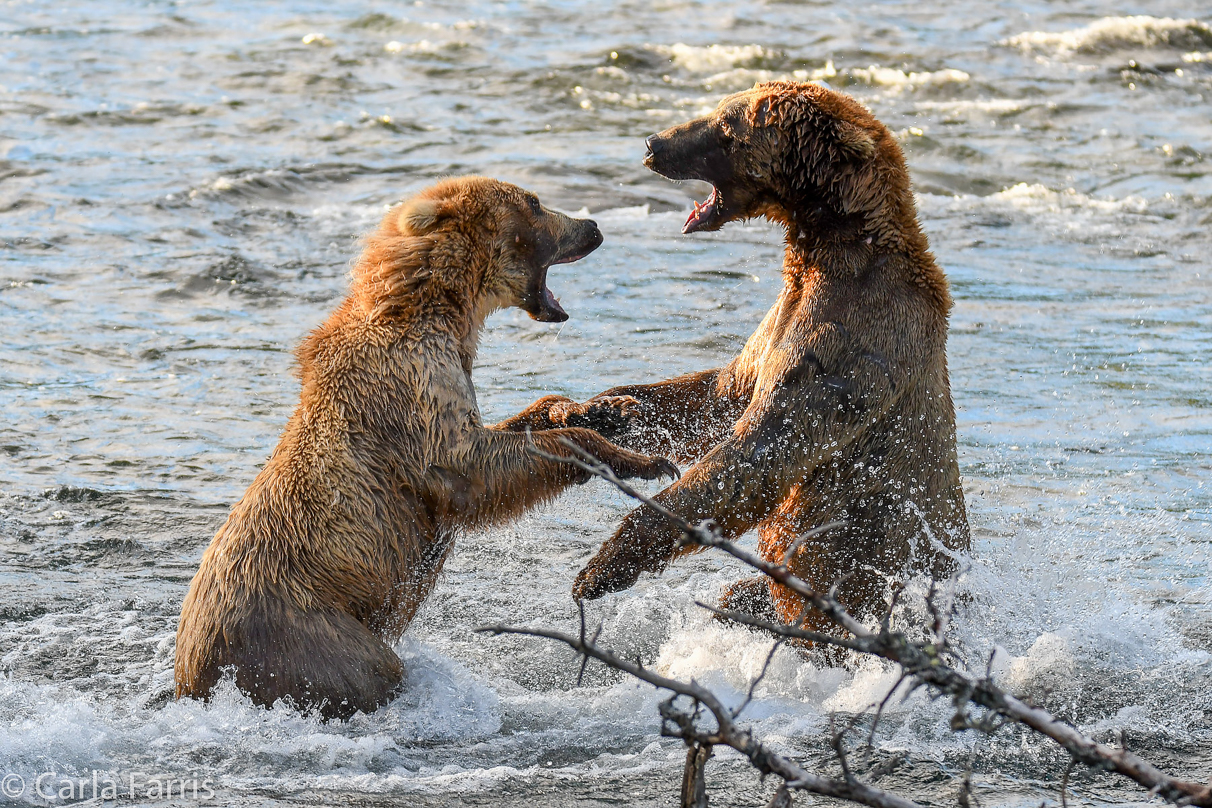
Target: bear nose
595, 235
654, 144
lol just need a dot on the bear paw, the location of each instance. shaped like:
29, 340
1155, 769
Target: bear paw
595, 580
608, 415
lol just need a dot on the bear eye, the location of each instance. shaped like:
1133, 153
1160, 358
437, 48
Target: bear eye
535, 207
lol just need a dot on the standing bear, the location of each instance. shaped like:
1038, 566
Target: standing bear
839, 407
327, 557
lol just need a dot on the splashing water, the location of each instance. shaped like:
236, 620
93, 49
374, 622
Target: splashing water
183, 186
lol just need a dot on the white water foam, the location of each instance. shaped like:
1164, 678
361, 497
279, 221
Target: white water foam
891, 80
997, 106
894, 78
1113, 34
1037, 197
1059, 625
742, 78
698, 59
1066, 208
423, 46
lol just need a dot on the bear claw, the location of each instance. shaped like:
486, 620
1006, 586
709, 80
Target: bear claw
665, 468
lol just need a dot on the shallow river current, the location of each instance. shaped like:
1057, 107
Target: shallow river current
181, 189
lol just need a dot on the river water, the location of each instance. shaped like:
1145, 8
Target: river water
181, 189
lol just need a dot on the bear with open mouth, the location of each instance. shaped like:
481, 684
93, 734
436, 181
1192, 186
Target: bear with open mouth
838, 409
325, 560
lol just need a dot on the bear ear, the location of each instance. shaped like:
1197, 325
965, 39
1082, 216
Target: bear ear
855, 140
760, 113
419, 216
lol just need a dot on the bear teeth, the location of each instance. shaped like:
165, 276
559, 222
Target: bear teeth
702, 210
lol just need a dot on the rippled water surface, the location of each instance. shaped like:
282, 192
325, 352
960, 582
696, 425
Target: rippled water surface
181, 189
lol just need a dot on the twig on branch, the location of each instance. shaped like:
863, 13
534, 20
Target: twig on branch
811, 534
757, 680
781, 798
694, 781
597, 633
965, 798
1065, 782
879, 711
838, 742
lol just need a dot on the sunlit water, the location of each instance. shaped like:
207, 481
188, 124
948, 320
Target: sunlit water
181, 187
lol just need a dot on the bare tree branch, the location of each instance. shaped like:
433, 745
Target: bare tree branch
921, 661
726, 733
705, 535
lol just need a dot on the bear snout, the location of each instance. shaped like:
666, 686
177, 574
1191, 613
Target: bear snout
583, 238
591, 237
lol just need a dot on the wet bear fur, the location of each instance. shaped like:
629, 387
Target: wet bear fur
325, 560
839, 407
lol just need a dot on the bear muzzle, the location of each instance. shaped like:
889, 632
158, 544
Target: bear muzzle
583, 237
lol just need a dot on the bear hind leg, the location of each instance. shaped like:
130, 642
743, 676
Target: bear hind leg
317, 660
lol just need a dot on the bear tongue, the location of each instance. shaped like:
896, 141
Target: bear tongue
551, 301
702, 213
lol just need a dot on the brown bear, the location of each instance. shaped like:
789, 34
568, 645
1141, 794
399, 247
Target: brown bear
839, 407
327, 557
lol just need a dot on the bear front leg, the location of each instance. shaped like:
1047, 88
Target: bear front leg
646, 541
509, 478
777, 444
